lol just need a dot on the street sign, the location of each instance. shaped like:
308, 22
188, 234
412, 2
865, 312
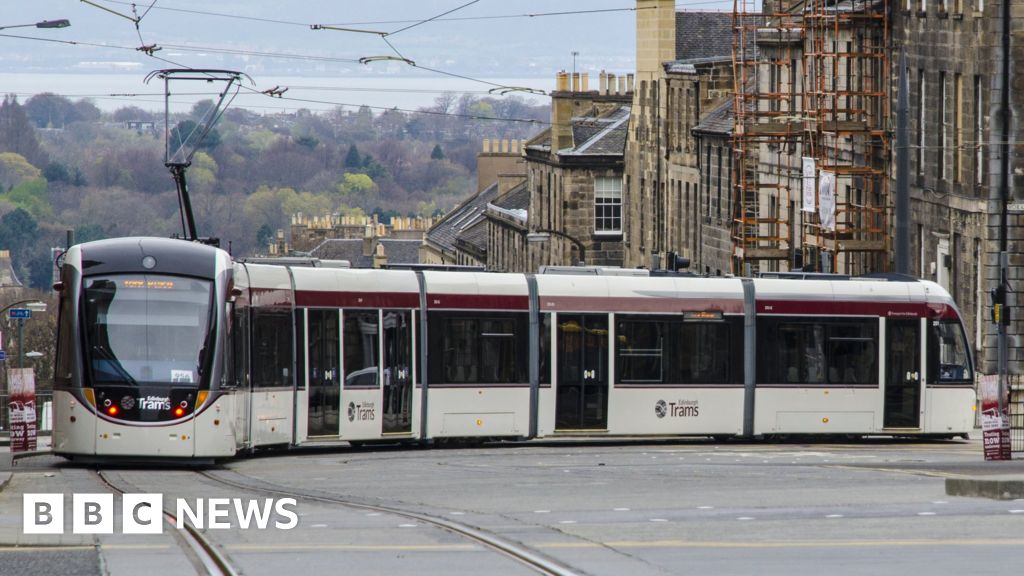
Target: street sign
25, 313
1015, 207
3, 355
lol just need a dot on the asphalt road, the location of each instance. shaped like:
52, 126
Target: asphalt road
877, 507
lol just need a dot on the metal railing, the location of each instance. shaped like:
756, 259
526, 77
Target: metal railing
44, 407
1016, 409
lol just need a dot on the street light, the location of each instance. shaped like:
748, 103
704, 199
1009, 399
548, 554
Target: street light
544, 235
62, 23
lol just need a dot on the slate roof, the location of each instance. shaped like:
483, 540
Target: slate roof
463, 216
605, 135
720, 120
397, 251
707, 36
475, 236
518, 198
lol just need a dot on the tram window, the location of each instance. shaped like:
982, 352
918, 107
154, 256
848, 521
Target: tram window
62, 366
239, 345
545, 348
948, 359
833, 352
272, 348
639, 349
653, 350
476, 349
361, 348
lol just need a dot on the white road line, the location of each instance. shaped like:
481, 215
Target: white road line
834, 516
926, 513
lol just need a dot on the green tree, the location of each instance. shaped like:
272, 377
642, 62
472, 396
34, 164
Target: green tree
89, 232
57, 172
185, 137
17, 134
352, 160
437, 153
264, 236
15, 169
357, 190
33, 196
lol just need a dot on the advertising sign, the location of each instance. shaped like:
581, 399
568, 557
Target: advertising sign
827, 200
808, 187
21, 406
995, 424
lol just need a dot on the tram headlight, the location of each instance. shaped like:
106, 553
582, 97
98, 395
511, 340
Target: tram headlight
179, 411
112, 410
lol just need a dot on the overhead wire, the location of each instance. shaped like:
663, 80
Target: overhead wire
421, 22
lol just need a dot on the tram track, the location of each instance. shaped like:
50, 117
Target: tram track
200, 548
524, 555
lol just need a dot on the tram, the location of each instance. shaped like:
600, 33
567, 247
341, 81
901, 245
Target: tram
172, 349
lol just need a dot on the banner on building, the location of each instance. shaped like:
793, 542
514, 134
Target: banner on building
995, 423
21, 407
808, 184
827, 200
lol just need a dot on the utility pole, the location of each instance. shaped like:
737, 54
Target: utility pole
1000, 174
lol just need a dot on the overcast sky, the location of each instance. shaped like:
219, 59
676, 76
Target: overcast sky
468, 42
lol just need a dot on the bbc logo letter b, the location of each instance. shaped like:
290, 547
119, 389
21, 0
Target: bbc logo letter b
42, 514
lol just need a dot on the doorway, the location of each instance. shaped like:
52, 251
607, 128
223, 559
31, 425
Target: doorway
902, 374
582, 397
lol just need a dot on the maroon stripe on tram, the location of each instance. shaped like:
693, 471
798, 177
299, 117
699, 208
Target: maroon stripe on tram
857, 308
325, 299
639, 304
478, 301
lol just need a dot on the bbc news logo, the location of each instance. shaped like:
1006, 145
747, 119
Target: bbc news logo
142, 513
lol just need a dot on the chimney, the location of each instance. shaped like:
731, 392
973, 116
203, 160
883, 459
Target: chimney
655, 36
603, 82
613, 88
575, 81
561, 116
379, 258
507, 182
585, 82
368, 240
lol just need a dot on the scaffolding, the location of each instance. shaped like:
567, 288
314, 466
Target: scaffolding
814, 78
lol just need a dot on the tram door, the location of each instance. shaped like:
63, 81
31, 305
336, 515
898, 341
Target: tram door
397, 373
582, 397
324, 373
902, 374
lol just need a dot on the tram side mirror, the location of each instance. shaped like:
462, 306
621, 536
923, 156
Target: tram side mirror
58, 286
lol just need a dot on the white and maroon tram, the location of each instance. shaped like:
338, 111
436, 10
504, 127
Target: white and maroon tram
169, 348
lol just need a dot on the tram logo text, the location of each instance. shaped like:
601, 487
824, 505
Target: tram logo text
155, 403
144, 513
677, 409
363, 412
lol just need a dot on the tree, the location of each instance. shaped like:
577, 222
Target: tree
14, 169
437, 153
56, 172
48, 110
89, 232
33, 196
185, 137
357, 190
352, 159
131, 113
17, 134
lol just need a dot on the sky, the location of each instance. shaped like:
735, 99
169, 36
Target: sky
272, 39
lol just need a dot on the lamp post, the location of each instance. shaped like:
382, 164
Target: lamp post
543, 235
62, 23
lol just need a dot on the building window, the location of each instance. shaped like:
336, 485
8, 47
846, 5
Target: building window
608, 205
979, 119
943, 130
920, 120
958, 127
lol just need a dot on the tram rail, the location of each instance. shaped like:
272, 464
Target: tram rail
197, 545
524, 555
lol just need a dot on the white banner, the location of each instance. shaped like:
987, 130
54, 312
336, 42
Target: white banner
808, 184
827, 200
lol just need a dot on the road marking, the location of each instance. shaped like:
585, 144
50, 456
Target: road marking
939, 502
789, 544
406, 525
834, 516
705, 507
1016, 511
319, 526
350, 547
566, 521
926, 513
659, 520
456, 513
620, 509
371, 514
745, 518
542, 511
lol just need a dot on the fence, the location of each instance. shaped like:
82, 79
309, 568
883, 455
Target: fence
1016, 407
44, 413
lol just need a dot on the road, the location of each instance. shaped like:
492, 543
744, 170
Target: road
636, 508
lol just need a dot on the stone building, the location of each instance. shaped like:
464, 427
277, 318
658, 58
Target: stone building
507, 228
950, 48
574, 173
460, 237
684, 69
711, 221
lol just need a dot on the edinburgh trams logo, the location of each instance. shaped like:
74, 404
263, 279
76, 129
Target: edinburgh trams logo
362, 412
677, 409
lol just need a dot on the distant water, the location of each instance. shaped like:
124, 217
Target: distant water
110, 91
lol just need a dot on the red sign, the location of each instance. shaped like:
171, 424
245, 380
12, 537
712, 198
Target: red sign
995, 423
21, 406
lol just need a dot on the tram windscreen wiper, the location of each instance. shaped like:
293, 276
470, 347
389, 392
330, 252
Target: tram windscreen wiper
114, 363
